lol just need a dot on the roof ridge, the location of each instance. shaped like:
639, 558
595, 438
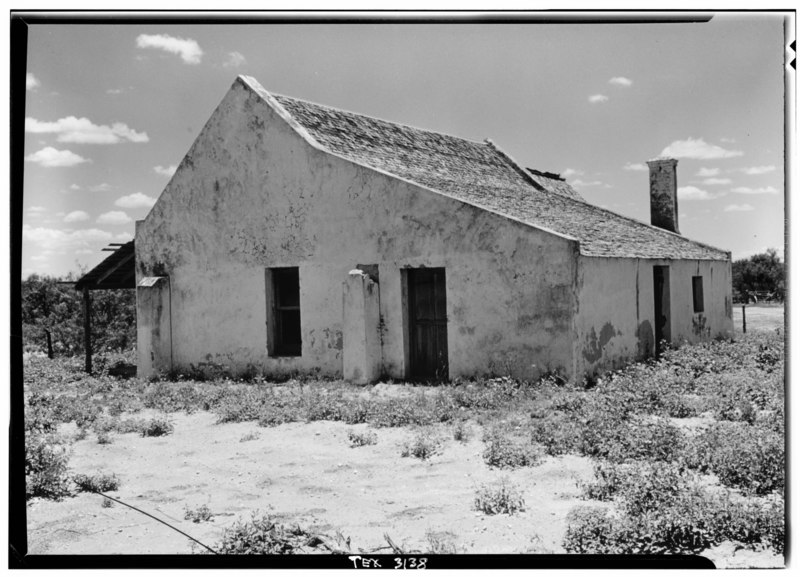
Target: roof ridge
403, 124
514, 164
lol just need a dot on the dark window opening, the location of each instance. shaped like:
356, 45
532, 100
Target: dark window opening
286, 336
697, 293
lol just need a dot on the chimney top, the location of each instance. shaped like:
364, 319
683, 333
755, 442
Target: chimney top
662, 160
664, 193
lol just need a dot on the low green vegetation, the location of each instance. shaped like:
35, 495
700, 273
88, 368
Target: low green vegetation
689, 449
362, 438
99, 482
501, 497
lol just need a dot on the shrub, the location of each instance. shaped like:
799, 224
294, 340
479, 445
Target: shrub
104, 438
742, 456
46, 458
424, 444
235, 405
663, 509
500, 497
171, 398
504, 451
198, 515
361, 438
640, 487
100, 482
589, 530
262, 535
249, 437
107, 503
461, 431
401, 412
277, 414
157, 427
558, 434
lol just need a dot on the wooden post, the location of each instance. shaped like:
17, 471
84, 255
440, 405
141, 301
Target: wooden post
87, 329
744, 319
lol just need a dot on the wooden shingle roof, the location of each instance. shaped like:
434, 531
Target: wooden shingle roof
116, 271
481, 174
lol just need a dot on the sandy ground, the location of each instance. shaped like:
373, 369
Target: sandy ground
308, 473
759, 317
305, 473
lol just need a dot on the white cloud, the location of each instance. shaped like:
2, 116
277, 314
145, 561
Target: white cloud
727, 140
188, 49
76, 216
166, 170
708, 172
693, 193
716, 181
102, 187
738, 208
135, 200
113, 217
31, 82
635, 166
759, 169
578, 183
595, 98
74, 187
235, 60
49, 240
50, 157
571, 172
114, 91
762, 190
698, 149
84, 131
621, 81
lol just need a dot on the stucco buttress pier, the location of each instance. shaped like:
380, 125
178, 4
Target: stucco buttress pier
253, 193
361, 353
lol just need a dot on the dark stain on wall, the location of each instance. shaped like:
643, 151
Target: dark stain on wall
700, 326
645, 340
593, 350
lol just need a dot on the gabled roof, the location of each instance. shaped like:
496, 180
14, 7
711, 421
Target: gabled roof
116, 271
481, 174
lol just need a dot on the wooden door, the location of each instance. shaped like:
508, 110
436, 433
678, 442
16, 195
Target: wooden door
662, 306
427, 314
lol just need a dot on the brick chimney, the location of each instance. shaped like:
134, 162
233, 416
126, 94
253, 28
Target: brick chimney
664, 193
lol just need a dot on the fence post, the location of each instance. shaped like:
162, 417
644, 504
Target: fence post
744, 319
87, 329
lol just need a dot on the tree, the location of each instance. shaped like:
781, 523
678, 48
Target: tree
52, 317
761, 273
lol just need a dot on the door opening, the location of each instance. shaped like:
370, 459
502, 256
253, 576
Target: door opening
427, 323
661, 298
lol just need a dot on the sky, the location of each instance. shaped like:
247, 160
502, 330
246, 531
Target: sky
112, 109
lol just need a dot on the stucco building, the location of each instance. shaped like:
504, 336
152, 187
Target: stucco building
297, 238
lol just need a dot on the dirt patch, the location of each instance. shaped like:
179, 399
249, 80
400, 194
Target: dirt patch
306, 473
759, 317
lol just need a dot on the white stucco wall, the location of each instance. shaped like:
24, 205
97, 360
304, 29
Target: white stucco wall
252, 194
616, 308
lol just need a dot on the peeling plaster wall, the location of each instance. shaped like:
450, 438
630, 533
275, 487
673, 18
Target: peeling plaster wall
252, 193
616, 310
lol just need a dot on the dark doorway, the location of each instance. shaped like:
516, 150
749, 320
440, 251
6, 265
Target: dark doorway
285, 330
427, 320
661, 298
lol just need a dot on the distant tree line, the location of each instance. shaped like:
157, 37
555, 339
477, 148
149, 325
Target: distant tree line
52, 317
760, 277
